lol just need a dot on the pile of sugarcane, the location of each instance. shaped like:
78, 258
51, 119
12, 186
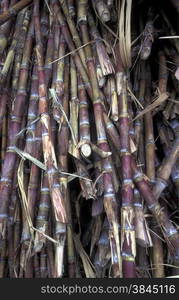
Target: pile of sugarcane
89, 138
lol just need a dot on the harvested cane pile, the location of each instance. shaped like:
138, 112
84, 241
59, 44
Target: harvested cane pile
89, 136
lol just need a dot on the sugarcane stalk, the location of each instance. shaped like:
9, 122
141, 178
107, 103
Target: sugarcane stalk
3, 253
49, 57
14, 128
17, 236
108, 35
71, 253
157, 254
97, 205
143, 237
131, 126
32, 135
127, 212
109, 199
29, 269
165, 169
139, 121
49, 152
163, 78
43, 214
63, 134
163, 72
149, 134
71, 47
104, 60
44, 23
166, 143
96, 226
142, 233
19, 53
32, 147
58, 81
74, 107
157, 250
84, 125
71, 8
102, 256
36, 264
60, 69
10, 250
50, 258
57, 35
101, 78
86, 185
43, 263
48, 149
60, 230
73, 30
13, 10
3, 106
50, 48
26, 235
5, 28
11, 226
164, 138
113, 99
74, 104
142, 262
167, 112
3, 139
20, 24
34, 182
168, 229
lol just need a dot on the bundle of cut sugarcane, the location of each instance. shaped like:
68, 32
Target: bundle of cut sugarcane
89, 137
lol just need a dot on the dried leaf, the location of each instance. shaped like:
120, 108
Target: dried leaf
89, 269
162, 97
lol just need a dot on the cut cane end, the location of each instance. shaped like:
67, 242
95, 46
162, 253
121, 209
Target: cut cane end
115, 118
86, 150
